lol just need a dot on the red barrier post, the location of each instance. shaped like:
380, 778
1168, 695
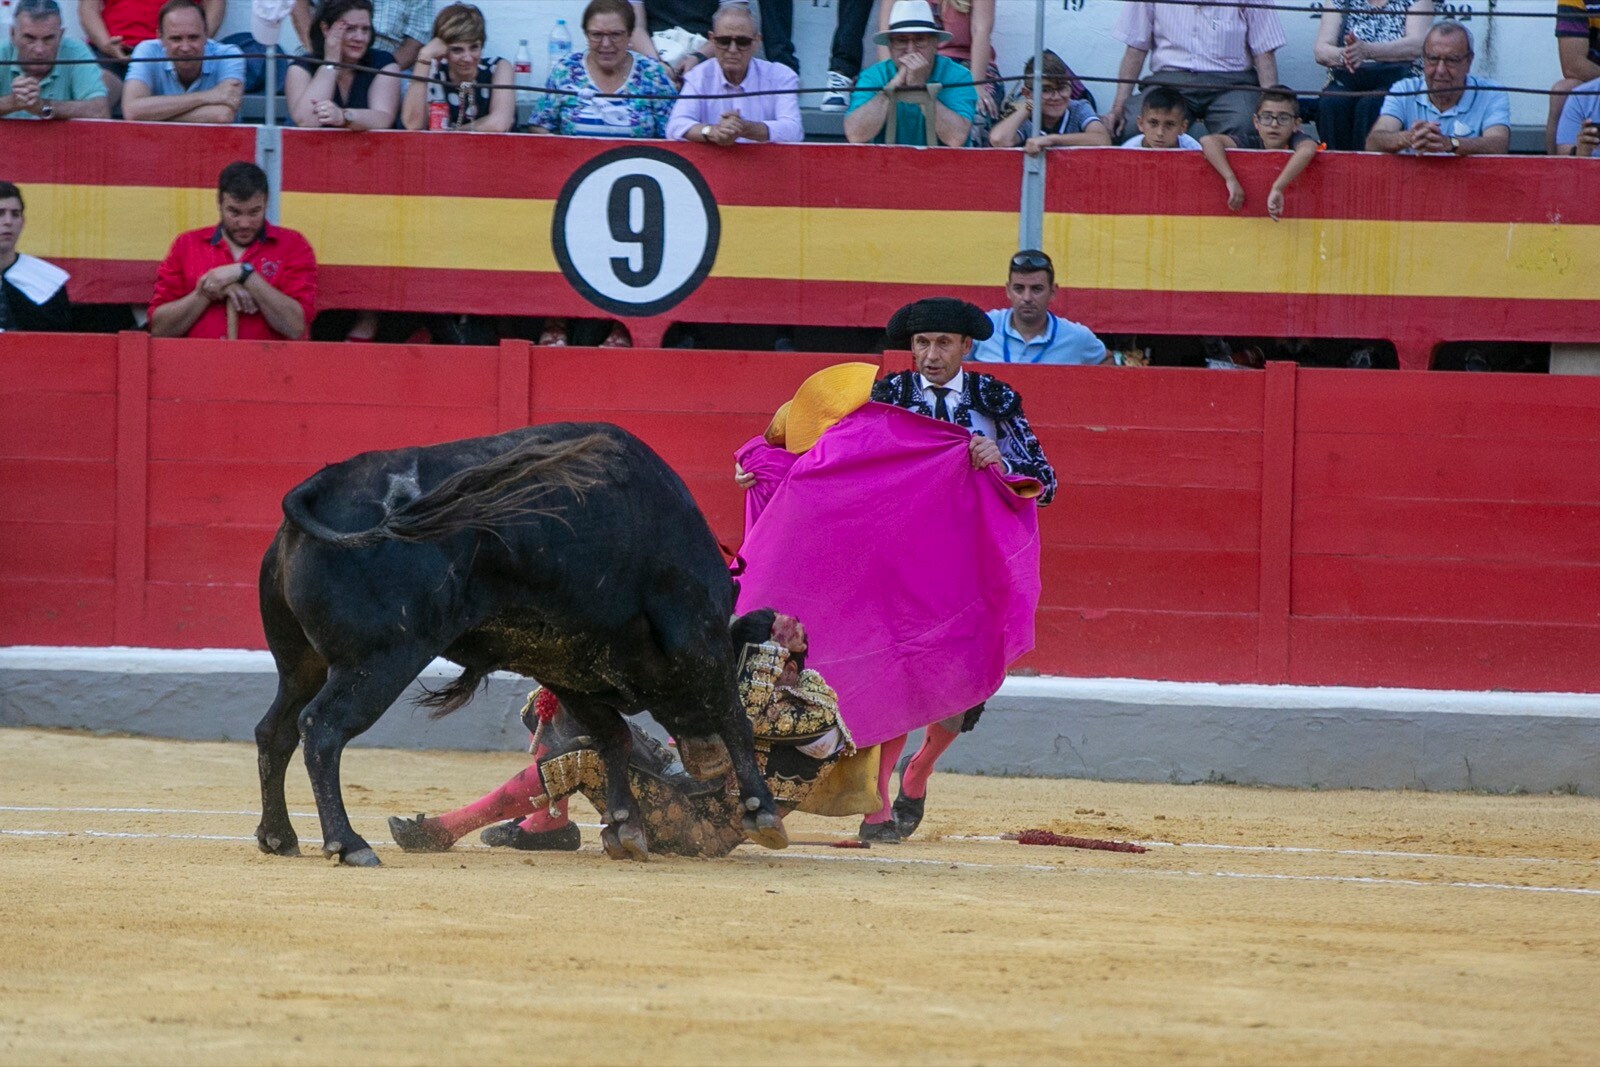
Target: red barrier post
1277, 522
133, 483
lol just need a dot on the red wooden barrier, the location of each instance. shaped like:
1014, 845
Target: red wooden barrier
1317, 527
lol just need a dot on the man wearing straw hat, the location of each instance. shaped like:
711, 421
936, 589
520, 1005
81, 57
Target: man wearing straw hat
244, 278
887, 106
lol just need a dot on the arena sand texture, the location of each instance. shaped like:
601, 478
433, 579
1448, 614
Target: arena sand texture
183, 945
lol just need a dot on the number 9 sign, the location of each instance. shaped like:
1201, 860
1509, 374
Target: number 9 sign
636, 230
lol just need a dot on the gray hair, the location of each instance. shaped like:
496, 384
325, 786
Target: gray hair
1452, 26
728, 7
38, 9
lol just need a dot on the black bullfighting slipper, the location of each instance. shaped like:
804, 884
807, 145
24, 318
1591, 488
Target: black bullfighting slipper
512, 835
879, 833
908, 813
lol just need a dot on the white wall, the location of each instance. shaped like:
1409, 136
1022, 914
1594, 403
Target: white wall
1514, 51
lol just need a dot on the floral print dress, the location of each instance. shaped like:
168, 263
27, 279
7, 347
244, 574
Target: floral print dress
581, 110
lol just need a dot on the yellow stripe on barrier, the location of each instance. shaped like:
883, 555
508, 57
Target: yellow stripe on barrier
1518, 261
1130, 253
118, 222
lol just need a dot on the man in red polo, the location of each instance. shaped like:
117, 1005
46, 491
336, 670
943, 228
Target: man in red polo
267, 273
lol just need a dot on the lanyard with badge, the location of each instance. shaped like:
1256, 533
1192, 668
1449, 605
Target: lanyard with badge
1005, 338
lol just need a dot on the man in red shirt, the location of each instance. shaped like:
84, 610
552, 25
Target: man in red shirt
267, 273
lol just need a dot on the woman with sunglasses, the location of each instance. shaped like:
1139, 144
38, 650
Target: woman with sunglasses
735, 39
1065, 118
590, 82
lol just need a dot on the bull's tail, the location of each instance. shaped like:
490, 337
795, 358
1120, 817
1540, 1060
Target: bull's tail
515, 485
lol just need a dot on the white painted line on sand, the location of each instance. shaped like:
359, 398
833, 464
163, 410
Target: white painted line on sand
1301, 849
947, 864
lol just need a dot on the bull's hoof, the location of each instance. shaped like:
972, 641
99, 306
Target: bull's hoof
421, 834
277, 844
765, 828
625, 841
361, 857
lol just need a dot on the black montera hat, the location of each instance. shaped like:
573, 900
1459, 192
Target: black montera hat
938, 314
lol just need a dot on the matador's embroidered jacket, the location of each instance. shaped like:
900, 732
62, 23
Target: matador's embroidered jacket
992, 397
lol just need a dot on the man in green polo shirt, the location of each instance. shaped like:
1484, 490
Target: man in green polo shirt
914, 62
32, 84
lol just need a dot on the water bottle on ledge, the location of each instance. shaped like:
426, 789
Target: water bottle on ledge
560, 43
523, 66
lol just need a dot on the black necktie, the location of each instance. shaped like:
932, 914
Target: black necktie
940, 411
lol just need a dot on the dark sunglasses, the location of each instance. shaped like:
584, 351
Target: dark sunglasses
1028, 262
722, 40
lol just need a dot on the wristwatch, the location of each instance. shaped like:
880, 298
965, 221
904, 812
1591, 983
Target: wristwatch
245, 270
1455, 145
348, 116
705, 132
48, 111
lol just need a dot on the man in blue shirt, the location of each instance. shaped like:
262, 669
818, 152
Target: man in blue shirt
914, 62
1027, 331
1461, 114
200, 80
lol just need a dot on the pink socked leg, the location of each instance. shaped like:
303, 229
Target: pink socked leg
888, 756
914, 782
509, 801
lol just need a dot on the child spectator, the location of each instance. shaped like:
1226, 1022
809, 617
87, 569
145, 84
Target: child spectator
1068, 119
1163, 122
1277, 127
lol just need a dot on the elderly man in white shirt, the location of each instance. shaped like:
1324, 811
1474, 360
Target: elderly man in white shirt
772, 116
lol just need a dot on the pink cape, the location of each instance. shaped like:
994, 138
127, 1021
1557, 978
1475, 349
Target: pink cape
916, 577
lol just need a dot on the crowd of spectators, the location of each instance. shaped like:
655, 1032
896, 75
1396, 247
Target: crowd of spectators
936, 77
724, 72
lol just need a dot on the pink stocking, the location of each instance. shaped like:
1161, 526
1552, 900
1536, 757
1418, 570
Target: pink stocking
509, 801
914, 782
888, 756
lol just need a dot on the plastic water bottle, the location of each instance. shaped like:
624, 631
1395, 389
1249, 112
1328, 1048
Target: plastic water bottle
6, 16
523, 66
438, 107
560, 43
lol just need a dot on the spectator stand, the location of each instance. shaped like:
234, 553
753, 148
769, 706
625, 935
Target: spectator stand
1417, 252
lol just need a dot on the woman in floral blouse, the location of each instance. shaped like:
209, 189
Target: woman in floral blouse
591, 79
1366, 44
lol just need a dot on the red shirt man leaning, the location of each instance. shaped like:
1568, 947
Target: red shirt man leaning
266, 273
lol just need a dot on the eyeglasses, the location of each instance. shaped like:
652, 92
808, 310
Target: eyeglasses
1056, 90
1028, 262
722, 40
606, 38
1445, 61
1274, 118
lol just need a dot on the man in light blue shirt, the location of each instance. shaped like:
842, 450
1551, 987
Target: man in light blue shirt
1578, 132
913, 39
1027, 331
191, 78
1461, 114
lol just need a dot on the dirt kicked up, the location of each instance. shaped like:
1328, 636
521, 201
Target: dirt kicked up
1283, 927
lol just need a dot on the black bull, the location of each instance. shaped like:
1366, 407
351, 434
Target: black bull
568, 552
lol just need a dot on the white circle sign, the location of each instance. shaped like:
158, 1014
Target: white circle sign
636, 230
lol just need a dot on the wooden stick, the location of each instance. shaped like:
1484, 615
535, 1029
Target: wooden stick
233, 321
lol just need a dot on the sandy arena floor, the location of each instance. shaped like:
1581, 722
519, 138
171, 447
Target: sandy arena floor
1292, 927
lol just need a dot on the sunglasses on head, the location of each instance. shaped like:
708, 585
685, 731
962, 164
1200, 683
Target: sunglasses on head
1028, 262
723, 40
